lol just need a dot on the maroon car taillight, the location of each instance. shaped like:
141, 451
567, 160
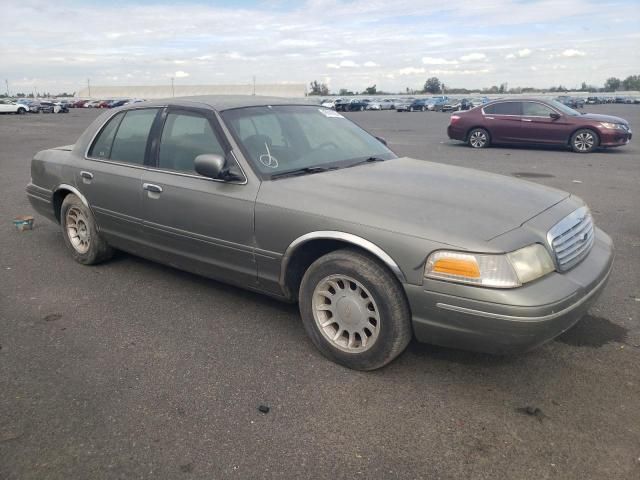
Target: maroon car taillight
454, 119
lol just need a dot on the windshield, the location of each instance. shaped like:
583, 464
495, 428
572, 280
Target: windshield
280, 139
563, 108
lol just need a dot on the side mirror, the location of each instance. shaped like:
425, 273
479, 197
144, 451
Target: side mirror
209, 165
382, 140
554, 115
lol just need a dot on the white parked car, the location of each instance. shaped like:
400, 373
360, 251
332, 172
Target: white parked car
331, 103
7, 106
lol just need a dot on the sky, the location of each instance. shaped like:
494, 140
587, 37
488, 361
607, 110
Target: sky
393, 44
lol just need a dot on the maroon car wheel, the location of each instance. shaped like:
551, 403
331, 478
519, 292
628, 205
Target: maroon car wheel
478, 138
584, 141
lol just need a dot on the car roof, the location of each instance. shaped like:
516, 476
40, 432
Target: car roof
228, 102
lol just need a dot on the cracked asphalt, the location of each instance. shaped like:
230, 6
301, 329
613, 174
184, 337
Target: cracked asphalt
135, 370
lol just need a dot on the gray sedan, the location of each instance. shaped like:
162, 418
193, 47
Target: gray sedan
297, 202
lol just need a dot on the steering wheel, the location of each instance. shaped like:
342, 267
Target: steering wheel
327, 145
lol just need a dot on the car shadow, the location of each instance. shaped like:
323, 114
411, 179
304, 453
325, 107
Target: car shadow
540, 148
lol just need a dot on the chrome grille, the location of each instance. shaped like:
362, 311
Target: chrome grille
572, 238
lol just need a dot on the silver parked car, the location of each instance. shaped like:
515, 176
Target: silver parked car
299, 203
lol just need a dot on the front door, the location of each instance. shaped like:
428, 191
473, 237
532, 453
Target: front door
540, 127
194, 222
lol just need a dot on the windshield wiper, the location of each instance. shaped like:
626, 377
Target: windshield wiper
367, 160
302, 171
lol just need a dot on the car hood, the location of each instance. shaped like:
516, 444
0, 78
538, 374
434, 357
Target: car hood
444, 203
603, 118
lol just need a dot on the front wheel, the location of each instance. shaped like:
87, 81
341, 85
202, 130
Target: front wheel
478, 138
584, 141
22, 111
81, 232
354, 310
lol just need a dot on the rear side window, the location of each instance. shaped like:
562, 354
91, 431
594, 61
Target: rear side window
130, 142
185, 136
504, 108
102, 146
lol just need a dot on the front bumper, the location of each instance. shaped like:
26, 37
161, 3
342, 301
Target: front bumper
615, 138
509, 321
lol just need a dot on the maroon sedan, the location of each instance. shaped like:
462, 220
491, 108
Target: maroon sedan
541, 122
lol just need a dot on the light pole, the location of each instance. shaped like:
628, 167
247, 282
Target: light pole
6, 81
254, 84
89, 86
173, 92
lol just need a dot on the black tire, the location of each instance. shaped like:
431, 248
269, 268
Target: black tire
21, 111
98, 249
394, 328
584, 141
478, 138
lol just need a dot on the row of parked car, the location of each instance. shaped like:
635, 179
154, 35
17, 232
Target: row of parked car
111, 103
30, 105
410, 104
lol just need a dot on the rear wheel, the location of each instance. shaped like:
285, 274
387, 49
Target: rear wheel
584, 141
354, 310
81, 233
478, 138
22, 111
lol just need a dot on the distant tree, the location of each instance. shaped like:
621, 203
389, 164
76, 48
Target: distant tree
632, 82
612, 84
372, 90
432, 85
344, 91
318, 88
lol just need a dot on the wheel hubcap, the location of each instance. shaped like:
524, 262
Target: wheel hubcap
478, 139
78, 230
346, 313
584, 141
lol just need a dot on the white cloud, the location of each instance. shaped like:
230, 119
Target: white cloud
510, 56
438, 61
524, 53
411, 71
180, 74
370, 64
570, 52
473, 57
342, 64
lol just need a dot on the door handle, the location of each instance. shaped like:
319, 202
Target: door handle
490, 118
87, 175
526, 120
150, 187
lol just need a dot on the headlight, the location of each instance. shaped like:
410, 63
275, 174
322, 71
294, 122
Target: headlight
612, 126
488, 270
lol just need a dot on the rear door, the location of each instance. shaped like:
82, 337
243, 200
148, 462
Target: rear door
503, 120
197, 223
539, 127
110, 177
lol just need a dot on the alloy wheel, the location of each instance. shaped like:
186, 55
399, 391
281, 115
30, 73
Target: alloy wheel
346, 313
478, 139
584, 141
78, 230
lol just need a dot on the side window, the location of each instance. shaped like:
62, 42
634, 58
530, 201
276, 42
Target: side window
130, 142
184, 137
101, 148
534, 109
504, 108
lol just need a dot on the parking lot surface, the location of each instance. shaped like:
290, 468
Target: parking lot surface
131, 369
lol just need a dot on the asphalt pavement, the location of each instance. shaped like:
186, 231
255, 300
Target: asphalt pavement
131, 369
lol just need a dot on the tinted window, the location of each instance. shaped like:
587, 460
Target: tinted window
131, 138
102, 146
185, 136
535, 109
504, 108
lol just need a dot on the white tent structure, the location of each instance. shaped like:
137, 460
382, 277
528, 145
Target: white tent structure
167, 91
